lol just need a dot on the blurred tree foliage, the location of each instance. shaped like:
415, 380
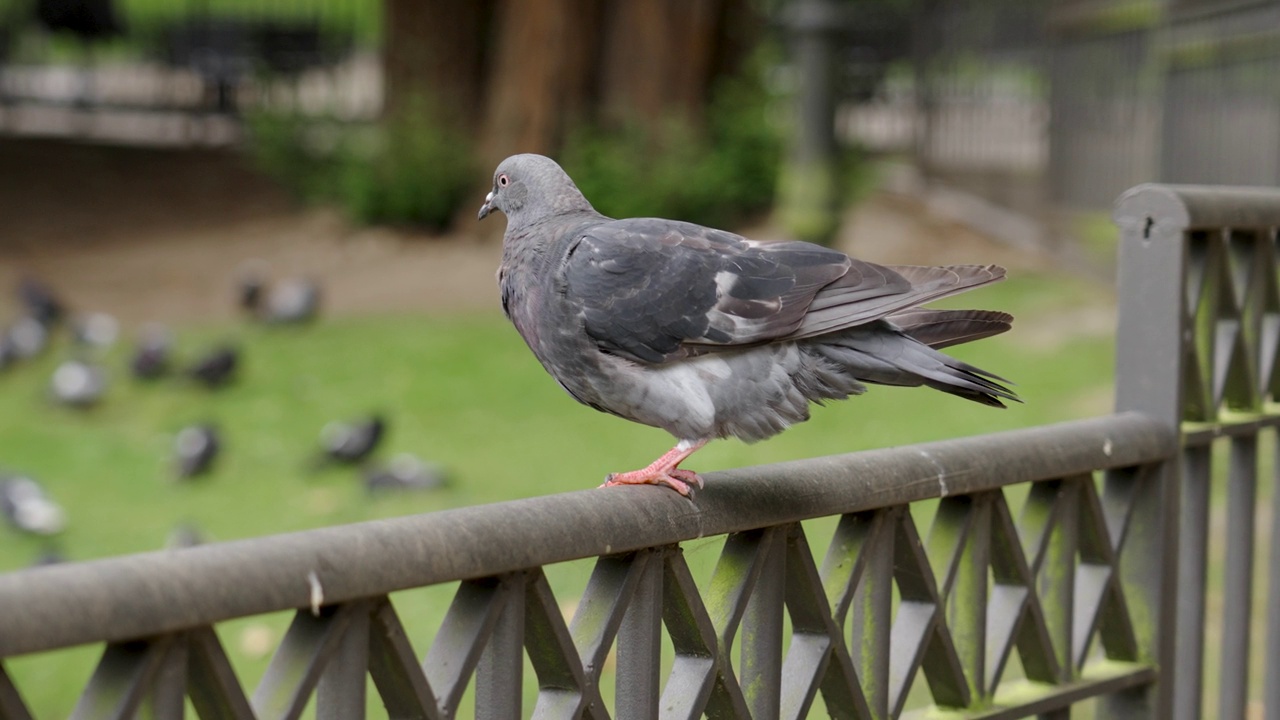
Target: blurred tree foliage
712, 175
415, 168
655, 108
652, 106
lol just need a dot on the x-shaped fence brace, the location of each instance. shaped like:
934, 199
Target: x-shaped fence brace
1232, 305
979, 585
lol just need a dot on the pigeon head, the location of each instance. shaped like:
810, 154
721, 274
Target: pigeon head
528, 187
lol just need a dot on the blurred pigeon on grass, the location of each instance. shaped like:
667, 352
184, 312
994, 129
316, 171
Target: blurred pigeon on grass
403, 472
185, 535
78, 383
40, 301
286, 302
96, 330
350, 443
27, 337
27, 507
195, 448
8, 355
216, 368
151, 358
707, 334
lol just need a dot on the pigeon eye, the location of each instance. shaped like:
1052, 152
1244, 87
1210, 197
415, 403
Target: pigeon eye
503, 180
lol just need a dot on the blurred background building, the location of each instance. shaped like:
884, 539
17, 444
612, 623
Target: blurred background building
1033, 107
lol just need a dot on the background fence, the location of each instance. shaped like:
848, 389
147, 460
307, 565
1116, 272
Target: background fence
1065, 103
182, 72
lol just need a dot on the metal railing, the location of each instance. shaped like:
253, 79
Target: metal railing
1078, 548
1199, 324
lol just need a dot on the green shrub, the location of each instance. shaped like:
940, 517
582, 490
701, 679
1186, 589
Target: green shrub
414, 171
411, 170
713, 175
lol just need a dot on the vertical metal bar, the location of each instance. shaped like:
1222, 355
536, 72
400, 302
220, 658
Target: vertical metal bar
1237, 586
960, 541
1055, 576
761, 639
393, 665
122, 678
640, 646
693, 674
300, 660
340, 694
500, 674
211, 683
1192, 562
1271, 683
11, 705
1150, 368
167, 697
459, 643
871, 621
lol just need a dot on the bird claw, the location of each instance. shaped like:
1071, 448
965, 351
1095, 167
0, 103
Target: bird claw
682, 481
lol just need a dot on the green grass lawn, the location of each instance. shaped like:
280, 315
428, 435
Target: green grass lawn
464, 392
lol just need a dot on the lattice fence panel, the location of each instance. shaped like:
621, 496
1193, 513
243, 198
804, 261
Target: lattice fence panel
885, 604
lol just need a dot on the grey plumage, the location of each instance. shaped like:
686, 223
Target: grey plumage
195, 448
707, 334
78, 383
151, 359
286, 302
27, 507
403, 472
350, 443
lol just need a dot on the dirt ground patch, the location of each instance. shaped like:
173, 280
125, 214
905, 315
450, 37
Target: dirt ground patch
153, 235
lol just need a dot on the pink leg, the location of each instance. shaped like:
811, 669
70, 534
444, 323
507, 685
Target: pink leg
663, 471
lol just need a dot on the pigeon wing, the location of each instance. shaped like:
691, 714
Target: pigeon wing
658, 290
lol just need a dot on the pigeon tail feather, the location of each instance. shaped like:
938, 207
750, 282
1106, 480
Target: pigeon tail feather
839, 305
882, 355
943, 328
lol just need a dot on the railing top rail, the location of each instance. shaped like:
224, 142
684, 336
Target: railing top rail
1193, 207
152, 593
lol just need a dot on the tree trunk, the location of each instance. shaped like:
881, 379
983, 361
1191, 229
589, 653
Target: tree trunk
436, 49
543, 61
659, 58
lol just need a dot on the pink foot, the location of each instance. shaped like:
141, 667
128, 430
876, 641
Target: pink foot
675, 478
663, 471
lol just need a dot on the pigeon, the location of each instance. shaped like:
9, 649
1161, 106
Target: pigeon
707, 334
349, 443
195, 448
27, 337
251, 284
40, 301
78, 383
49, 555
28, 508
290, 302
216, 368
95, 330
184, 535
287, 302
403, 472
151, 357
8, 354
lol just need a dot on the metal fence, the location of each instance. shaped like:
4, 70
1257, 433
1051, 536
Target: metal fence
182, 72
1062, 104
1079, 549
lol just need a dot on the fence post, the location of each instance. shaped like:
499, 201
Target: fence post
1149, 372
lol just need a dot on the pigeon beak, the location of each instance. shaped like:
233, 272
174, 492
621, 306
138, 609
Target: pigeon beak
487, 207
